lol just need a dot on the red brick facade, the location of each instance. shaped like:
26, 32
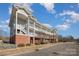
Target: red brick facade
20, 39
23, 39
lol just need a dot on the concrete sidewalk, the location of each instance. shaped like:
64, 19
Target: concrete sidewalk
26, 49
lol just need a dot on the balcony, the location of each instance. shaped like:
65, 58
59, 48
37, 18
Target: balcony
38, 35
22, 29
31, 26
18, 26
43, 31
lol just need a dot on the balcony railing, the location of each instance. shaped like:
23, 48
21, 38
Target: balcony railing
37, 29
31, 25
18, 26
41, 30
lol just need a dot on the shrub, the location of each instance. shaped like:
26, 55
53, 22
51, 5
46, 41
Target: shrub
28, 44
37, 43
42, 43
21, 45
54, 53
36, 49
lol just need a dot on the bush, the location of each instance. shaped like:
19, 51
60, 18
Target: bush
54, 53
37, 43
21, 45
42, 42
28, 44
36, 49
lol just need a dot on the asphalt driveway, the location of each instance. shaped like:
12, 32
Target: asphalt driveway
65, 49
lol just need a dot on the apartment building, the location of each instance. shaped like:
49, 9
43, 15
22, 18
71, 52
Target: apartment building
25, 29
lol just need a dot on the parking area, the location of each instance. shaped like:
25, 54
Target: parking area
64, 49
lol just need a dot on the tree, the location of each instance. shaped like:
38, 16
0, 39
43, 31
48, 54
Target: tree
77, 40
1, 34
60, 38
68, 39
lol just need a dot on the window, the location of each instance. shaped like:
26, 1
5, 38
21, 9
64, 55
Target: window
18, 31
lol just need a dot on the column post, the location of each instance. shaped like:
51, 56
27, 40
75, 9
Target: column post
16, 22
16, 26
56, 38
34, 34
28, 25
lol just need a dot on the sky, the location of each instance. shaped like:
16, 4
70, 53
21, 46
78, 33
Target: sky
62, 16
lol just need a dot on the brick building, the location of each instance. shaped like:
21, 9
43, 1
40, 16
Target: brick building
25, 29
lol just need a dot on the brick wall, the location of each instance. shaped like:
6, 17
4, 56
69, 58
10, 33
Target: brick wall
20, 39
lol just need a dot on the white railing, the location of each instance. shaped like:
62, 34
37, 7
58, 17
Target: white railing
18, 26
31, 27
46, 32
37, 29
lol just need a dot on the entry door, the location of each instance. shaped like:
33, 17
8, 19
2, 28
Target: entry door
31, 40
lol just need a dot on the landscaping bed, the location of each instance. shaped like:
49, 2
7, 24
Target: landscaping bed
7, 46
